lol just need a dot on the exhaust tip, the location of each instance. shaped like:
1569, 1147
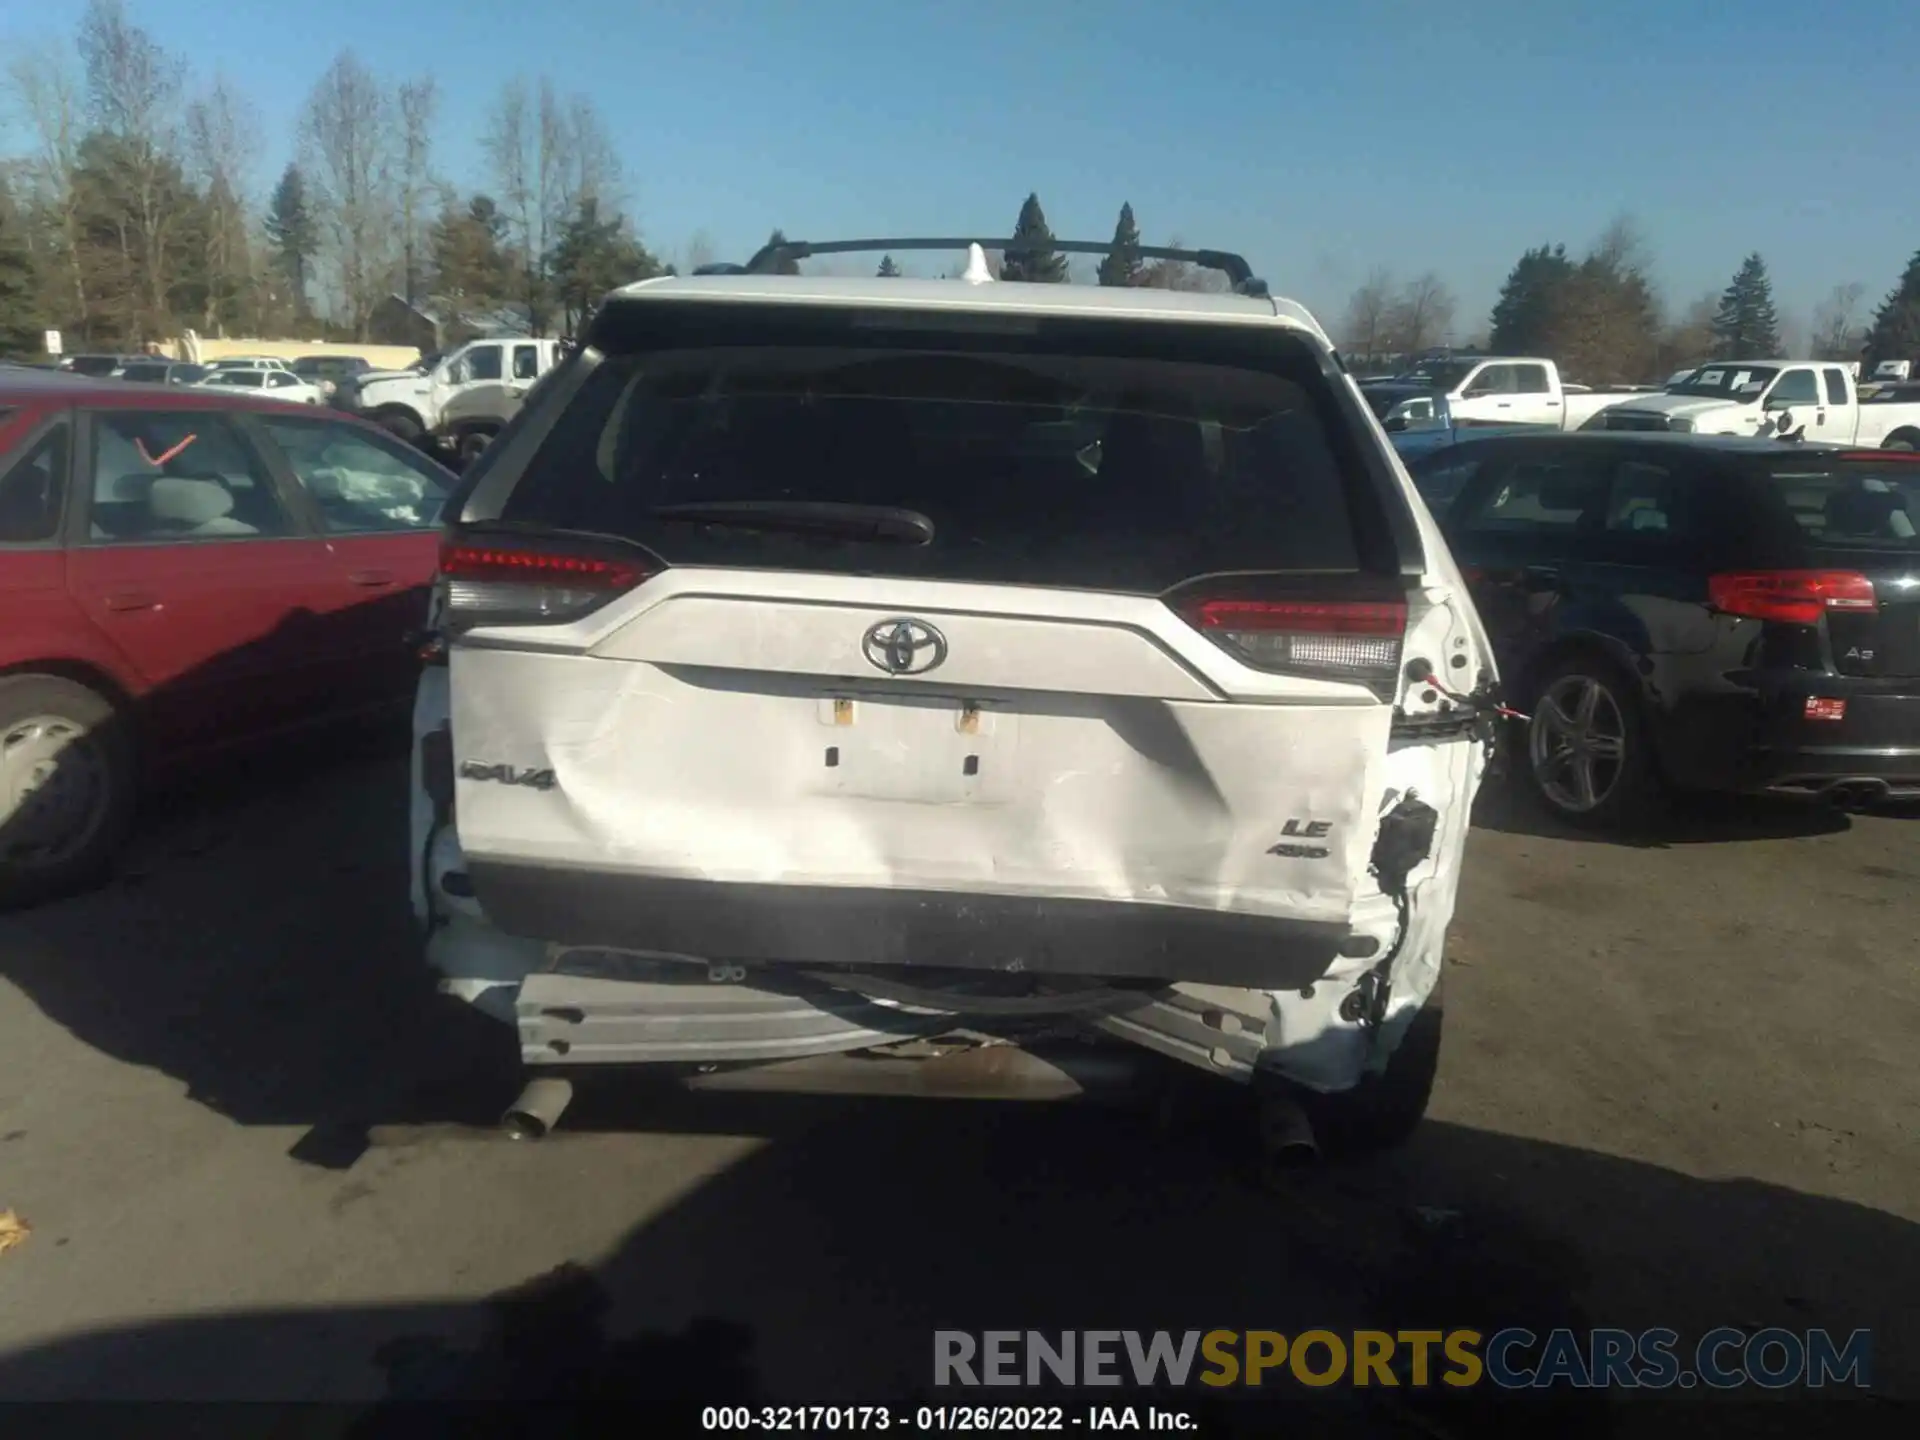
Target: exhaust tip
1286, 1134
519, 1125
538, 1110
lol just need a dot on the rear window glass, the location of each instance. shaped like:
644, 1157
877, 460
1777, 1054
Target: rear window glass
1037, 462
1441, 477
1872, 504
146, 374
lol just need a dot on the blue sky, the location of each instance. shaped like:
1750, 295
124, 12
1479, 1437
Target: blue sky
1319, 140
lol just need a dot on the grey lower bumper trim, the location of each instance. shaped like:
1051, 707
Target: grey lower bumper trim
572, 1019
827, 925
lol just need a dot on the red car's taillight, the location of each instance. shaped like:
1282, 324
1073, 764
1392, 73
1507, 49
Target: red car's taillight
1355, 640
507, 583
1795, 597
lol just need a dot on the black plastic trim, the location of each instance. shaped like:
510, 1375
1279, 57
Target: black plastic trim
767, 259
833, 925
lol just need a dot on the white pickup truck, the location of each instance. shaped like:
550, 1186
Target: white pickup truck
1789, 398
1490, 390
461, 399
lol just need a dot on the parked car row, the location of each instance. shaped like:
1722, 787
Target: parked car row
183, 568
318, 373
278, 383
1679, 613
1490, 390
1777, 398
1774, 398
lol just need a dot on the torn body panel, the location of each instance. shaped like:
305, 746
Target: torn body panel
572, 1007
1159, 771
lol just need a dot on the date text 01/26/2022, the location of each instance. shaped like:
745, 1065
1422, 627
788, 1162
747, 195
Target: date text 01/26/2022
941, 1419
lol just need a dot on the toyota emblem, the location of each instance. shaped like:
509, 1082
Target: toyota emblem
903, 647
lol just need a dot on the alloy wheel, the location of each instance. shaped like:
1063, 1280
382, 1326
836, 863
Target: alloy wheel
1577, 744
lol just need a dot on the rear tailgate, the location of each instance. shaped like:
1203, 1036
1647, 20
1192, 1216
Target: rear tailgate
1857, 514
1131, 701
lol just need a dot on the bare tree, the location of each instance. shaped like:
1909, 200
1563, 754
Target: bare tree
1179, 275
419, 103
1369, 310
1836, 329
1422, 315
133, 93
1689, 340
699, 250
223, 143
46, 89
350, 135
588, 163
548, 157
1608, 320
514, 149
1622, 248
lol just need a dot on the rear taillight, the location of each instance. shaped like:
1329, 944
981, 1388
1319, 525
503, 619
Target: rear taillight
502, 583
1338, 639
1795, 597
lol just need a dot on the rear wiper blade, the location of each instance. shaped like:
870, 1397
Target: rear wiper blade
807, 517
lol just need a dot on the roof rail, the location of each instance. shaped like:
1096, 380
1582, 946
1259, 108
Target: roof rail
767, 259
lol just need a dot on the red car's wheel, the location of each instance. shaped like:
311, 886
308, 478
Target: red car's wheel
66, 786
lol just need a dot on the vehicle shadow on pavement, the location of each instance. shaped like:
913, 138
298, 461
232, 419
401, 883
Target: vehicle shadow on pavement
816, 1269
1685, 820
256, 945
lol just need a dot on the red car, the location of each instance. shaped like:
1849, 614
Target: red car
181, 571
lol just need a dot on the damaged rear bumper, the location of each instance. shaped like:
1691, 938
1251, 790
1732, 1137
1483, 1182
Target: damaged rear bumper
1233, 995
914, 930
574, 1005
607, 1007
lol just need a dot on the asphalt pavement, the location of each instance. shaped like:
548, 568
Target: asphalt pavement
258, 1158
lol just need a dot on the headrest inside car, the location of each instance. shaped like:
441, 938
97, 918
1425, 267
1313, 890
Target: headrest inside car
188, 502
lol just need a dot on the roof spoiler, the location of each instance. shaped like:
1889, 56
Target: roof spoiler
767, 260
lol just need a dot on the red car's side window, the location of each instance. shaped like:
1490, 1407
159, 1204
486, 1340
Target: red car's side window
163, 476
359, 485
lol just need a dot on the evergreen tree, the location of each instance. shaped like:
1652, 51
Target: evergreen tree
294, 229
888, 270
1746, 328
1896, 324
787, 264
20, 325
1031, 256
229, 305
1523, 317
467, 252
1122, 263
1606, 323
141, 233
596, 254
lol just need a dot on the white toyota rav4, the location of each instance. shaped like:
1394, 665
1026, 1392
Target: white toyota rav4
837, 670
